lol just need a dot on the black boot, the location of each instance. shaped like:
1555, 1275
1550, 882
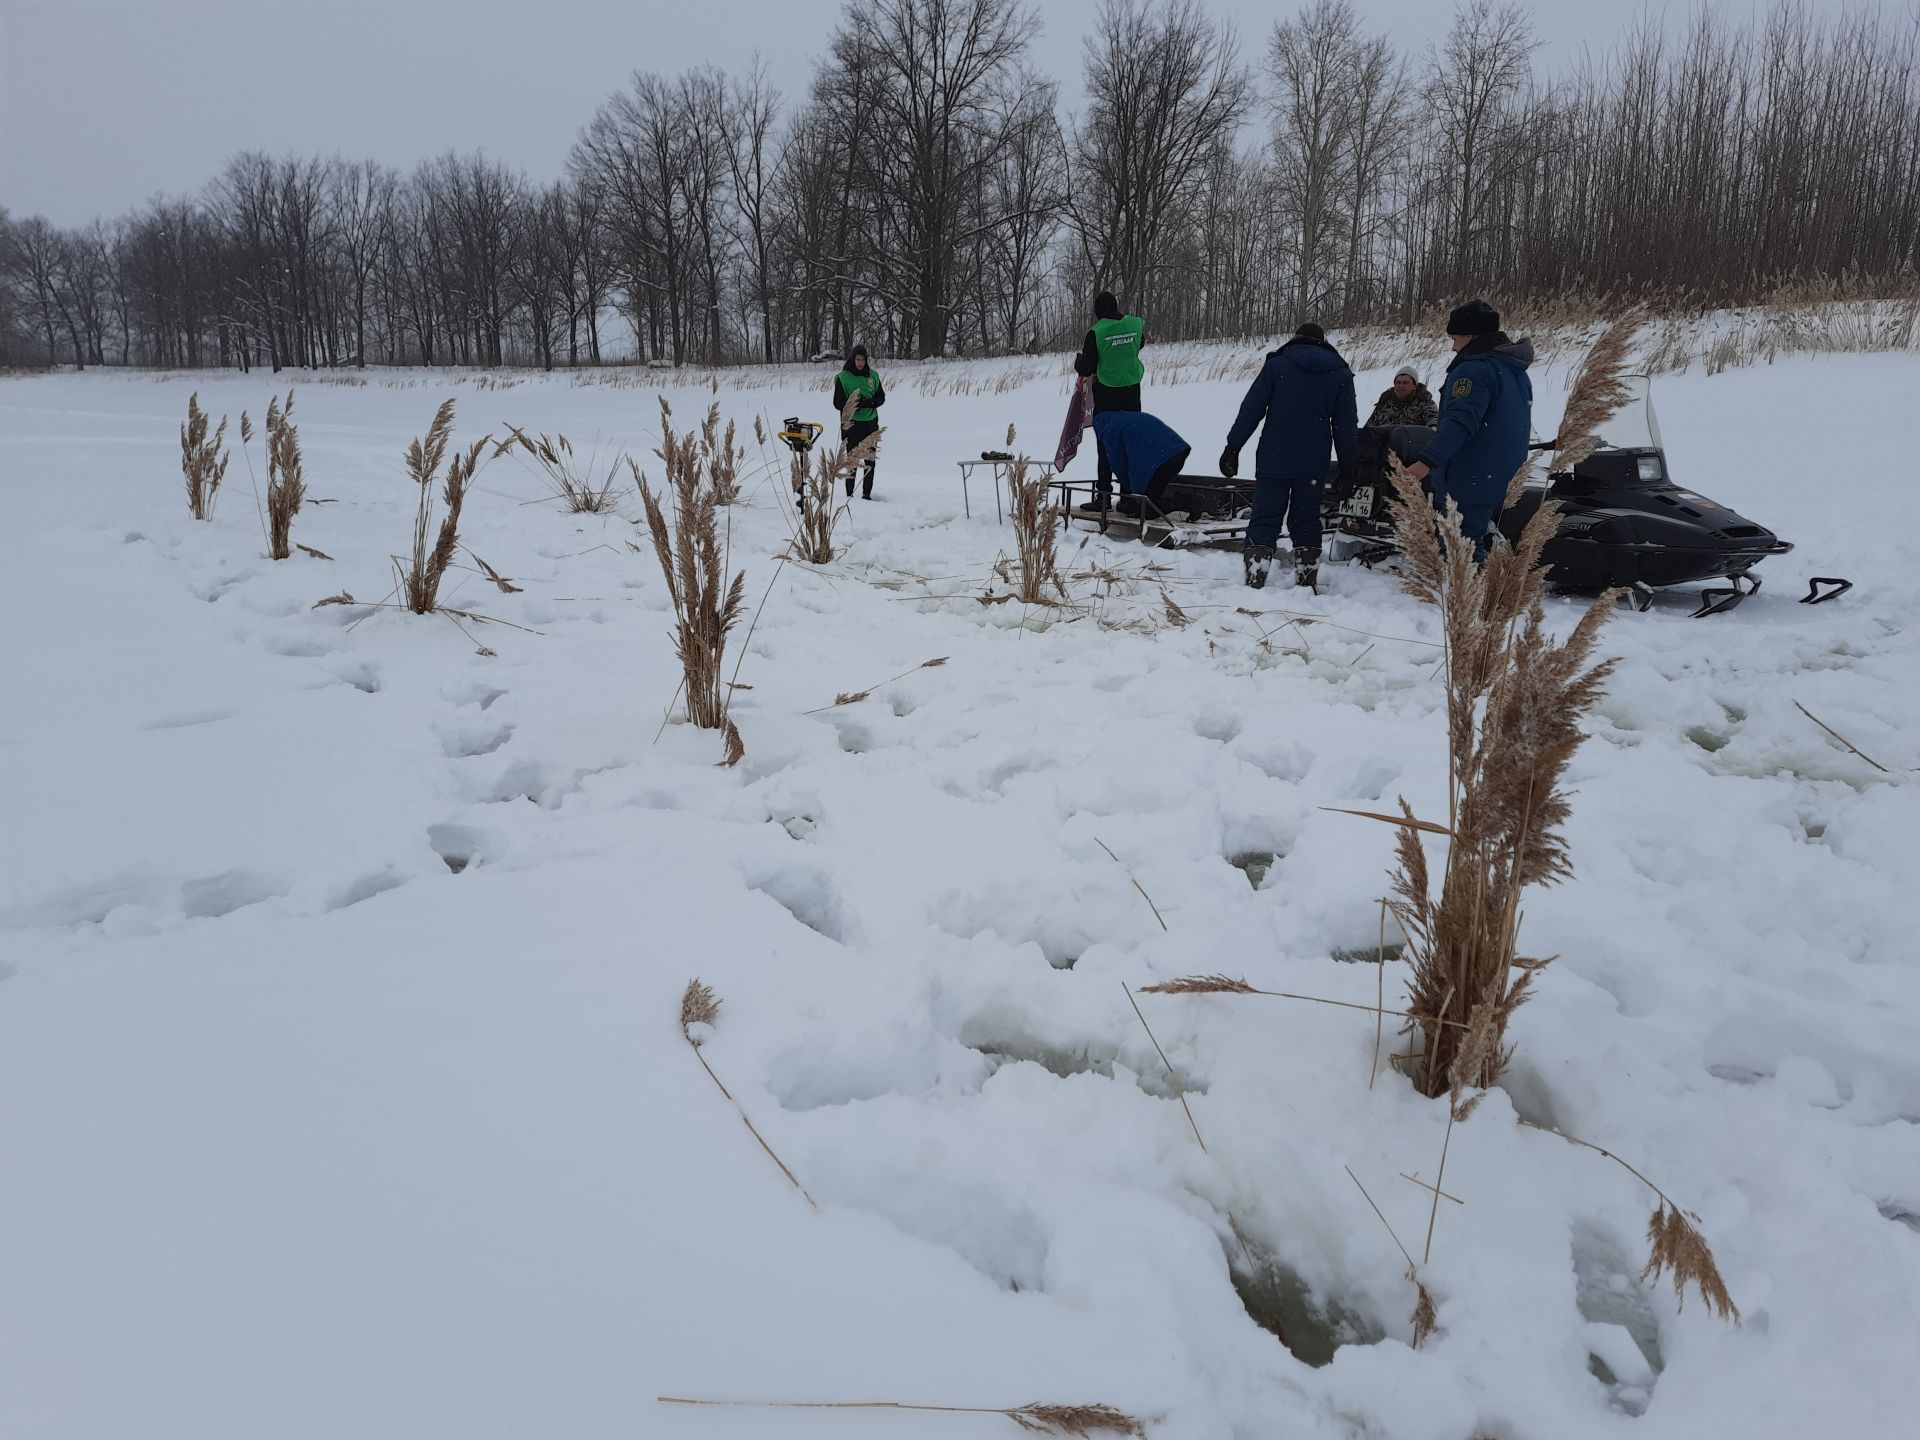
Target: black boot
1306, 567
1258, 562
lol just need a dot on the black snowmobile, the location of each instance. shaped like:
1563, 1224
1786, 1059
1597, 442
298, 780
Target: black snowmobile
1624, 522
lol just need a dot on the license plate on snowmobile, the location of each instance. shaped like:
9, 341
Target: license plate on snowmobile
1359, 504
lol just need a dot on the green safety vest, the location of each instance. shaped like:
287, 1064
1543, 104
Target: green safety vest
866, 384
1118, 342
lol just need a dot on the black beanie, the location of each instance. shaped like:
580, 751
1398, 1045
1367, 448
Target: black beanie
1476, 317
1105, 307
1311, 331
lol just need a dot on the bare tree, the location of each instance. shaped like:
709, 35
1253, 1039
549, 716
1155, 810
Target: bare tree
1167, 94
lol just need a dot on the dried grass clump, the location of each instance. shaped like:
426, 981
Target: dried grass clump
722, 457
706, 604
203, 458
286, 480
1036, 534
569, 481
418, 577
1515, 702
714, 455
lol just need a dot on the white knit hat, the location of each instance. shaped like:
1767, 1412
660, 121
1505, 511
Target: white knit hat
1408, 371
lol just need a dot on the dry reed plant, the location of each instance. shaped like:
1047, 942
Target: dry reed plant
706, 604
286, 480
1036, 534
418, 577
700, 1006
1515, 699
721, 456
203, 459
569, 481
1082, 1421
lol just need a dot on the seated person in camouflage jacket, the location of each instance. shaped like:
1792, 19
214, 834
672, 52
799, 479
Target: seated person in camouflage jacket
1407, 403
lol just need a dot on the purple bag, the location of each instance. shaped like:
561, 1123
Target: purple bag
1079, 416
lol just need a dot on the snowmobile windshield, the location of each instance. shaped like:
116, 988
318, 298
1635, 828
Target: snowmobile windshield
1633, 427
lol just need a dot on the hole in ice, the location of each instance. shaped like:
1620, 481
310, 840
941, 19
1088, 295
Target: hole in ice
1255, 863
1369, 954
458, 846
1623, 1332
1279, 1300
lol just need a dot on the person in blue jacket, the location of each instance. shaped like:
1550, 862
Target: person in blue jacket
1145, 452
1304, 396
1486, 418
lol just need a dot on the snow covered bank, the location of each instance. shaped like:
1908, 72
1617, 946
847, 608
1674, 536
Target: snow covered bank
340, 1082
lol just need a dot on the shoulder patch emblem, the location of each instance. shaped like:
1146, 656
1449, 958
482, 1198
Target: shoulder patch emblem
1462, 388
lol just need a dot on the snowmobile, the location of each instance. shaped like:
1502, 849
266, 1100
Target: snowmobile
1624, 523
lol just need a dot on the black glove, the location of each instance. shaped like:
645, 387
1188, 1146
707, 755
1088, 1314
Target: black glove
1229, 463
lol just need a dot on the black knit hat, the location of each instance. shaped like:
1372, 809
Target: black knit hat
1476, 317
1105, 307
1311, 331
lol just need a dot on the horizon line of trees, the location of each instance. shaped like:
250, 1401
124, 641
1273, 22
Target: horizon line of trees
926, 196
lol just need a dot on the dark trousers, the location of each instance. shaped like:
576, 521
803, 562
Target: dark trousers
1476, 522
851, 437
1156, 488
1108, 398
1294, 499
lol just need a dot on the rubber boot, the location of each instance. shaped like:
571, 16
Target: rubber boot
1306, 568
1258, 561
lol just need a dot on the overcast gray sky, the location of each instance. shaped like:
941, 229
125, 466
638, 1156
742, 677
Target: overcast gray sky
105, 102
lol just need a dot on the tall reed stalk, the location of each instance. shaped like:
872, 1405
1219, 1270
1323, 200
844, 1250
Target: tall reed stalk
286, 479
203, 458
418, 576
706, 603
1515, 701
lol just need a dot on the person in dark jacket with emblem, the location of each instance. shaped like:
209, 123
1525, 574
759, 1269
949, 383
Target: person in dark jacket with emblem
859, 378
1486, 420
1147, 456
1407, 403
1302, 401
1109, 365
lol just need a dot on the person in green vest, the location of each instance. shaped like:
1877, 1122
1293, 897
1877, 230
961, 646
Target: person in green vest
1109, 365
858, 377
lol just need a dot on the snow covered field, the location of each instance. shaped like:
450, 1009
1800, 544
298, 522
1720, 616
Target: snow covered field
341, 1092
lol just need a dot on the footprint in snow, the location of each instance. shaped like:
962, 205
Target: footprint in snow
365, 888
464, 741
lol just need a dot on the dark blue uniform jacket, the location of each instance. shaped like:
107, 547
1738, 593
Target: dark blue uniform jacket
1137, 444
1486, 418
1305, 396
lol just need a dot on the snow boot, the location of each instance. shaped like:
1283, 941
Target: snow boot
1258, 561
1306, 568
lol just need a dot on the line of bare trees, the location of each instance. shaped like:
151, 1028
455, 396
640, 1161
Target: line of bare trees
926, 195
